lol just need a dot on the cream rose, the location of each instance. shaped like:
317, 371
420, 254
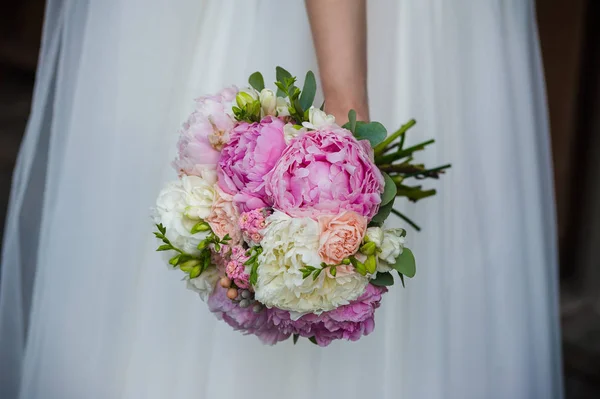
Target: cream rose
392, 245
340, 236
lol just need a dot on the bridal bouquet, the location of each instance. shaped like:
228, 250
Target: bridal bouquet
277, 216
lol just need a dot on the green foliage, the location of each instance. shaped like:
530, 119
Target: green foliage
390, 190
383, 280
308, 91
295, 338
257, 81
375, 132
252, 261
311, 270
313, 340
351, 124
382, 215
405, 263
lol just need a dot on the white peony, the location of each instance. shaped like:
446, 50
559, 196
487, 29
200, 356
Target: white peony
178, 207
290, 244
318, 119
392, 245
205, 283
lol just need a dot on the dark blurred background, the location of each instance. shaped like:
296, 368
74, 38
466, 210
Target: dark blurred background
570, 37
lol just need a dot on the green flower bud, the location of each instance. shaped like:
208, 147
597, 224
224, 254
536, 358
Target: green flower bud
371, 264
199, 227
360, 268
368, 248
174, 260
244, 98
333, 271
346, 261
195, 272
187, 266
202, 244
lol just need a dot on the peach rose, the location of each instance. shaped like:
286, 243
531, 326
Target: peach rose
223, 218
340, 236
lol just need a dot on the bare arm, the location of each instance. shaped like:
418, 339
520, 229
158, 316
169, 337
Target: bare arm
339, 34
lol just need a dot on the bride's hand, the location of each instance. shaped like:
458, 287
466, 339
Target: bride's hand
339, 34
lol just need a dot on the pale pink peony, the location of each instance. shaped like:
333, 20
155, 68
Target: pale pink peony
223, 218
325, 172
205, 132
348, 322
340, 236
252, 151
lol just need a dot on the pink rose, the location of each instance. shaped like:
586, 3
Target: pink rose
340, 236
325, 172
205, 132
251, 153
223, 218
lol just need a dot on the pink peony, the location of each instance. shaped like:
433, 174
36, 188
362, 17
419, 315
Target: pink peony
340, 236
325, 172
223, 217
348, 322
244, 319
205, 132
252, 151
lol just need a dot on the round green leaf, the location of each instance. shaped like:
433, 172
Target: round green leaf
375, 132
257, 81
308, 90
383, 280
405, 263
390, 190
384, 212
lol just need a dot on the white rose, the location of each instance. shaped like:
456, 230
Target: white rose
318, 119
374, 234
282, 107
290, 244
200, 195
291, 131
205, 283
268, 102
392, 245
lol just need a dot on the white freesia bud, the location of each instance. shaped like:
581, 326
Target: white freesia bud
318, 119
392, 245
282, 107
291, 131
268, 102
374, 234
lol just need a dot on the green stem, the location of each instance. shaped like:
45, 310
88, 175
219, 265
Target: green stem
428, 171
380, 148
402, 153
406, 219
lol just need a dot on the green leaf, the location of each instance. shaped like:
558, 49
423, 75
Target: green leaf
161, 228
390, 190
281, 74
383, 280
308, 90
384, 212
351, 124
164, 248
402, 279
257, 81
375, 132
322, 106
254, 273
313, 340
405, 263
295, 338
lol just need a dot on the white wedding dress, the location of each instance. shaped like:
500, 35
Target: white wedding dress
105, 319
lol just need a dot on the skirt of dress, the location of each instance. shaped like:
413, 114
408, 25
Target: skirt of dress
106, 319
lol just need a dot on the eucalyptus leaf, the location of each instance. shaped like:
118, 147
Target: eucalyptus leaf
351, 124
257, 81
281, 74
405, 263
390, 190
308, 90
375, 132
402, 279
384, 212
383, 280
